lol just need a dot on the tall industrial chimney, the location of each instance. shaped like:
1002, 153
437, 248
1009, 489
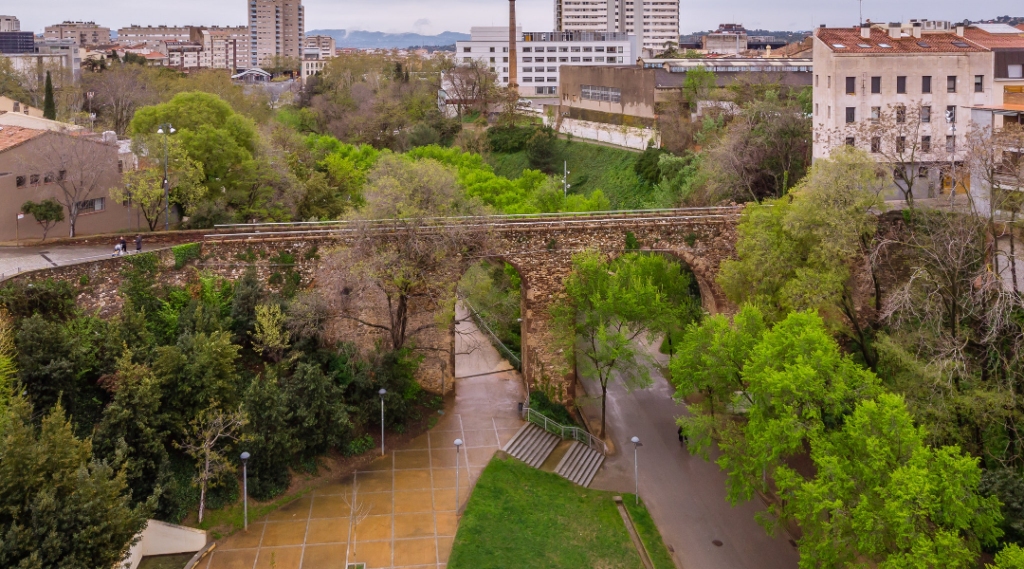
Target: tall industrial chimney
513, 57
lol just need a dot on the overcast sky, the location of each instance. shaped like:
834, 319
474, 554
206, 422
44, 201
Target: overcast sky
435, 16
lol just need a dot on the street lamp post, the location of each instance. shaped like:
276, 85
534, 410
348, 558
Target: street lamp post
636, 471
167, 202
458, 444
245, 490
382, 393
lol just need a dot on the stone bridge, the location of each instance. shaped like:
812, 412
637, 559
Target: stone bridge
540, 248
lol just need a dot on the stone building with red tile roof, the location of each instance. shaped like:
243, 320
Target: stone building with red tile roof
924, 75
23, 178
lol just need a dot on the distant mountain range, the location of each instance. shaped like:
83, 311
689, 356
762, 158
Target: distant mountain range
381, 40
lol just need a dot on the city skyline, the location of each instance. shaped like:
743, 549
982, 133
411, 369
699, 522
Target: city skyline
460, 15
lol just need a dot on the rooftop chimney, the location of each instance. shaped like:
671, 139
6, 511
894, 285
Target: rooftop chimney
865, 31
917, 30
513, 57
895, 30
960, 29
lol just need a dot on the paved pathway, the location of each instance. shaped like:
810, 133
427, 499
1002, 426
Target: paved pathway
684, 493
13, 259
404, 502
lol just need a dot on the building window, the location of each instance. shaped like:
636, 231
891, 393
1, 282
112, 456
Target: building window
603, 94
815, 109
588, 49
542, 90
922, 172
20, 181
565, 49
527, 60
926, 84
527, 79
90, 206
951, 113
901, 144
901, 85
950, 143
575, 59
876, 84
467, 59
588, 60
563, 60
551, 49
34, 179
926, 144
926, 114
876, 144
829, 81
504, 60
527, 70
552, 69
951, 84
901, 114
552, 79
979, 83
816, 82
1015, 71
575, 49
504, 49
851, 115
876, 114
552, 59
851, 85
850, 141
492, 60
527, 49
492, 50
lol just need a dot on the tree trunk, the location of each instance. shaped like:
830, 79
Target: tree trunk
604, 400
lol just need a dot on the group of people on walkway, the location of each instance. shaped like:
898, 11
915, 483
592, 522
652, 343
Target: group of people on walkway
121, 246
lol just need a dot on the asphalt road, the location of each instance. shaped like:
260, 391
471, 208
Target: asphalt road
15, 259
685, 494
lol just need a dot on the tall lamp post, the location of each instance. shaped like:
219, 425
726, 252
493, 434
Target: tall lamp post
458, 444
382, 393
245, 490
636, 471
166, 129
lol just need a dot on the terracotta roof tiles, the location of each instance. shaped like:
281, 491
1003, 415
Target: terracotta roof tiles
13, 136
851, 41
992, 41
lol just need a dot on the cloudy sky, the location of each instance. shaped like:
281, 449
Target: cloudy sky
435, 16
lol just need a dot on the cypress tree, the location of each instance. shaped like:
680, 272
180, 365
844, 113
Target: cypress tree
49, 106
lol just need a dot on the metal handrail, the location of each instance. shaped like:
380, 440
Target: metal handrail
516, 361
575, 433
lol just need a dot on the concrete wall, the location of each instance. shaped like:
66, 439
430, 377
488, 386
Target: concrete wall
161, 538
18, 161
636, 85
619, 135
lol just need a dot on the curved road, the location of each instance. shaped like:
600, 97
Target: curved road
685, 494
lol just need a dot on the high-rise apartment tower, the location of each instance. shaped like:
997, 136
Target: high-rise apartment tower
276, 28
660, 19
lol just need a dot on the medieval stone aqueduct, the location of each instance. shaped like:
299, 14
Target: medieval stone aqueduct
540, 248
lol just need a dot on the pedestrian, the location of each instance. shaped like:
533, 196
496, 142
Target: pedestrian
138, 243
124, 246
117, 248
683, 438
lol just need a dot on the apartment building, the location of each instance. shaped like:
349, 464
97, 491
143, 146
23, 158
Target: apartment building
153, 36
276, 28
654, 21
324, 45
85, 33
10, 24
224, 47
184, 55
916, 79
542, 54
17, 42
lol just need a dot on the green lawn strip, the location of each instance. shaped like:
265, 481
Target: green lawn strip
233, 516
592, 167
521, 517
648, 532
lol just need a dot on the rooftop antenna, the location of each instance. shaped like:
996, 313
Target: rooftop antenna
861, 2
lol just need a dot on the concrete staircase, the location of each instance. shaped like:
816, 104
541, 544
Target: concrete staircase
532, 445
580, 464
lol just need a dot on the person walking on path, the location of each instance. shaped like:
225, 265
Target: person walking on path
117, 248
138, 243
124, 245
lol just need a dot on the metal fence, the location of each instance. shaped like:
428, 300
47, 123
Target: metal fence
512, 357
574, 433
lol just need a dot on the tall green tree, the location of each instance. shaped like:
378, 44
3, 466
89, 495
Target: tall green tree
603, 314
59, 506
49, 105
882, 496
196, 372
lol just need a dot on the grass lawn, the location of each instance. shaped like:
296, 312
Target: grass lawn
522, 517
592, 167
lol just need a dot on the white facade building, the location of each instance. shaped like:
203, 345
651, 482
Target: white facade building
660, 19
9, 24
541, 54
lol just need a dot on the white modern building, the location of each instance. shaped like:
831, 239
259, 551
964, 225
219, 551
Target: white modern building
541, 54
660, 19
9, 24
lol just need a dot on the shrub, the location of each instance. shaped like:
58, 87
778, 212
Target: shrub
540, 403
508, 139
185, 253
359, 445
53, 300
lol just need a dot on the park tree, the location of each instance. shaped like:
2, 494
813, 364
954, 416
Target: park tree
49, 105
47, 213
59, 505
120, 91
79, 166
270, 337
205, 439
143, 187
12, 83
882, 496
799, 253
198, 370
605, 311
698, 85
408, 269
473, 86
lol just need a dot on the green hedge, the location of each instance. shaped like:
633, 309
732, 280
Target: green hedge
185, 253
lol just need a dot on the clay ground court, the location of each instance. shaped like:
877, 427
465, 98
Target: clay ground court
405, 501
